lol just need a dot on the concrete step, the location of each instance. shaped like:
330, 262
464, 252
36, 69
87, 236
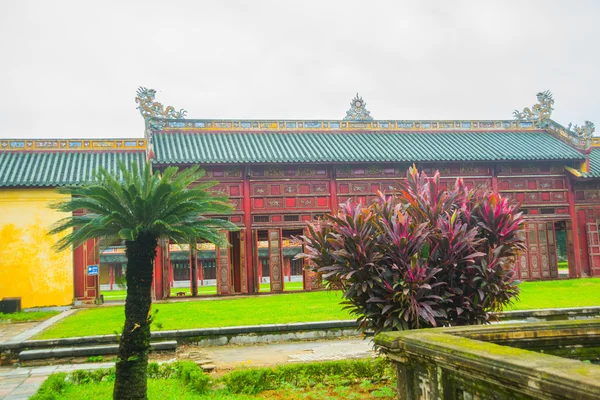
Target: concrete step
85, 351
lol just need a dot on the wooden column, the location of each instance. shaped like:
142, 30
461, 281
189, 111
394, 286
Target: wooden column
275, 260
243, 263
495, 178
306, 274
201, 271
246, 235
288, 265
111, 275
193, 270
333, 191
576, 234
157, 282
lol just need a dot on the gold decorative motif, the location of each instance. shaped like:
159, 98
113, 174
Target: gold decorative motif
540, 113
151, 109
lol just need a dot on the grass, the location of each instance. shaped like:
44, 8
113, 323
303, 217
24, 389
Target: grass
293, 307
563, 265
116, 295
26, 316
348, 379
559, 294
296, 307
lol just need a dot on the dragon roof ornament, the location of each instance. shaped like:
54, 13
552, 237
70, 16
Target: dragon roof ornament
152, 109
540, 113
358, 111
584, 132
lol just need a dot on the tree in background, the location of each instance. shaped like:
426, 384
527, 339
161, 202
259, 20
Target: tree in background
141, 207
424, 258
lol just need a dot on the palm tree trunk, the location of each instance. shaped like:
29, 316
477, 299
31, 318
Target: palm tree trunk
130, 382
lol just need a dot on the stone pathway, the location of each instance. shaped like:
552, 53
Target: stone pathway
9, 331
23, 382
226, 357
37, 327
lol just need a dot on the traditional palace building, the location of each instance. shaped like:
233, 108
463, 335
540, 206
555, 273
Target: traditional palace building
281, 174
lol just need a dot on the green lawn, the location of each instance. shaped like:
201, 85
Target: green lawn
26, 316
559, 294
112, 295
563, 265
294, 307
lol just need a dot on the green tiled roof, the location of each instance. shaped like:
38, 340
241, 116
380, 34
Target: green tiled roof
594, 164
277, 147
49, 169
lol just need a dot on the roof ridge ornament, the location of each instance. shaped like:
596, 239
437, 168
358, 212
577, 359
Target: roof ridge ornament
540, 113
584, 132
358, 111
153, 109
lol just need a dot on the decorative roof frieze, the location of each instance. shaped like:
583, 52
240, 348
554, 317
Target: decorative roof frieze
71, 144
343, 125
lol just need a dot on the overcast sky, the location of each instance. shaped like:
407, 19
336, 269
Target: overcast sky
71, 68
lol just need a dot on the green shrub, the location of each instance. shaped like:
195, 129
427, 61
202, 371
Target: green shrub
256, 380
52, 387
190, 374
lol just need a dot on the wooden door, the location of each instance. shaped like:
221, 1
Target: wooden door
224, 285
256, 261
243, 266
275, 260
593, 241
539, 262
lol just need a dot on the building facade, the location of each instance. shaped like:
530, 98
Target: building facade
281, 174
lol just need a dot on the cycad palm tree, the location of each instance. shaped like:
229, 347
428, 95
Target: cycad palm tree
141, 207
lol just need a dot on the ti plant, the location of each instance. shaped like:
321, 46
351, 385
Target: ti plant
426, 257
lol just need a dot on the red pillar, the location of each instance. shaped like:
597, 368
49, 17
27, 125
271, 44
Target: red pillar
288, 265
111, 275
158, 274
333, 191
495, 179
248, 240
201, 271
575, 225
193, 271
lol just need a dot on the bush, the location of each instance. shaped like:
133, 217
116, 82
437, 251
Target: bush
427, 257
187, 372
256, 380
52, 387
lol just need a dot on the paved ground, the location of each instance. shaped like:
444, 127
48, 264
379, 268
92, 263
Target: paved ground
23, 382
26, 330
9, 331
226, 357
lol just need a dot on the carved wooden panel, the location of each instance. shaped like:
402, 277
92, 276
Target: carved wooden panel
457, 169
372, 170
275, 260
538, 190
243, 266
531, 168
224, 285
288, 171
539, 261
223, 173
593, 242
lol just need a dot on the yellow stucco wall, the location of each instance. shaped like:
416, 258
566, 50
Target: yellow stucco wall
29, 267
